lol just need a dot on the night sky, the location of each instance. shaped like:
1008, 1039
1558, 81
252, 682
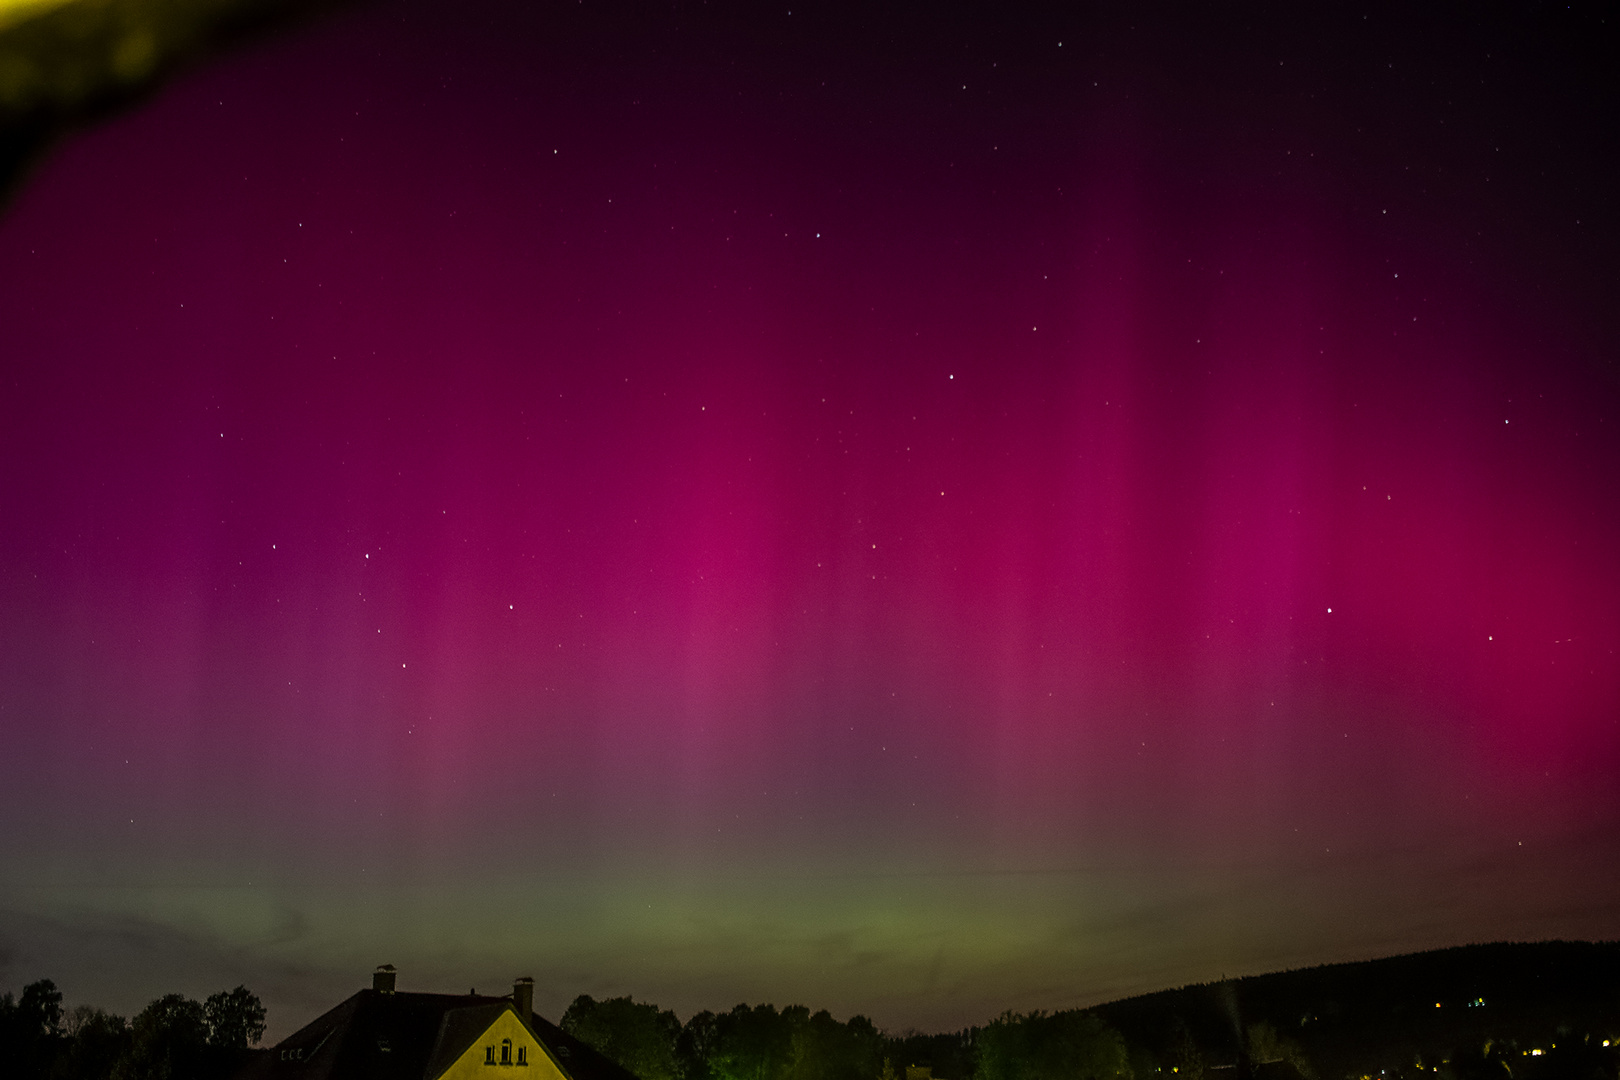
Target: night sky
915, 512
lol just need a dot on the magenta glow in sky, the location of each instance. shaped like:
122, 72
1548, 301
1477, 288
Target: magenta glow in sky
915, 514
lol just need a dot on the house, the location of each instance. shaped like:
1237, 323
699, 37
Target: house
385, 1034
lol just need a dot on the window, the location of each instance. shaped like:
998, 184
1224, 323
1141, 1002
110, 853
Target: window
489, 1055
506, 1051
523, 1055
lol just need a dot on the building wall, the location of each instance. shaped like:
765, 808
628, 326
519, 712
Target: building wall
475, 1064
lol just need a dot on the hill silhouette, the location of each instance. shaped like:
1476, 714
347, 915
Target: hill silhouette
1402, 1015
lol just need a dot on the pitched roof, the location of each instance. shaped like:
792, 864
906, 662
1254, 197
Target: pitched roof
458, 1029
402, 1036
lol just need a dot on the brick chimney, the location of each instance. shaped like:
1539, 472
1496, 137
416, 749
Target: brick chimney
523, 999
382, 980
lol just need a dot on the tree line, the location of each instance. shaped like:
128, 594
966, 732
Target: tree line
173, 1038
760, 1042
177, 1038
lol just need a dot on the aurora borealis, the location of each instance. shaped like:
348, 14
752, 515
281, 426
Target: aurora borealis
917, 513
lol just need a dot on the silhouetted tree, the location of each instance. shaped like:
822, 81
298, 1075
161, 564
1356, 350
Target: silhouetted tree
695, 1044
1062, 1046
635, 1034
235, 1019
752, 1043
31, 1029
95, 1040
824, 1049
168, 1040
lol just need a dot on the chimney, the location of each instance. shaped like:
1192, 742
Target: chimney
523, 999
383, 980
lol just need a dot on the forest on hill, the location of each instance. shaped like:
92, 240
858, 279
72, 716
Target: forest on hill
1547, 1009
1544, 1011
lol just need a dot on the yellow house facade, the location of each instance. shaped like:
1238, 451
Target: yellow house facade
506, 1045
